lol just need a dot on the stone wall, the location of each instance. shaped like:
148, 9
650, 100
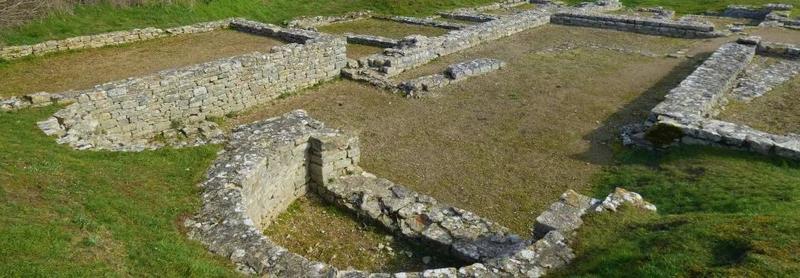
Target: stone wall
650, 26
686, 115
420, 50
456, 72
128, 115
317, 21
759, 13
783, 50
266, 165
107, 39
370, 40
699, 95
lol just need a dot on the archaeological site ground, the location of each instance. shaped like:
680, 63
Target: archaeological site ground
474, 138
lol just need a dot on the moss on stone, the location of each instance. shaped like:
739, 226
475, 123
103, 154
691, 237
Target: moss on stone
663, 134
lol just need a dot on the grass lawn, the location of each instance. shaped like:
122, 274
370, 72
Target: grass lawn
721, 214
94, 19
699, 6
77, 213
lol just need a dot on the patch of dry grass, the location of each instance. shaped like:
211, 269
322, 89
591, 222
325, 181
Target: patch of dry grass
355, 51
86, 68
507, 144
344, 241
777, 112
383, 28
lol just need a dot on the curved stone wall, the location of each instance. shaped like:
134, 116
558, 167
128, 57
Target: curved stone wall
266, 165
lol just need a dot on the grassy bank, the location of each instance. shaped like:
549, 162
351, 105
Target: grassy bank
721, 214
104, 18
698, 6
78, 214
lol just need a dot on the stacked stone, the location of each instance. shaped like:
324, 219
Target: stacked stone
126, 115
260, 173
473, 68
660, 12
457, 72
371, 40
759, 80
422, 218
599, 6
106, 39
420, 50
468, 16
782, 50
751, 12
317, 21
33, 100
267, 165
685, 115
700, 94
650, 26
426, 22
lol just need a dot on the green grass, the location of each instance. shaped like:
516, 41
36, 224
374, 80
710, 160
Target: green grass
84, 213
698, 6
94, 19
721, 213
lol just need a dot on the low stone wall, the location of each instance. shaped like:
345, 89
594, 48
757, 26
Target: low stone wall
650, 26
468, 16
266, 165
699, 95
425, 22
420, 86
370, 40
782, 50
107, 39
686, 115
317, 21
751, 12
420, 50
131, 115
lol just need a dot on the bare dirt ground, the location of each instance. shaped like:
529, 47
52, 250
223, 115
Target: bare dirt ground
355, 51
86, 68
383, 28
507, 144
504, 145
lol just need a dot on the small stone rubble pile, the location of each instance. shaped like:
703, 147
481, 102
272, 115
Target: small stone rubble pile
267, 165
644, 25
423, 219
457, 72
107, 39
